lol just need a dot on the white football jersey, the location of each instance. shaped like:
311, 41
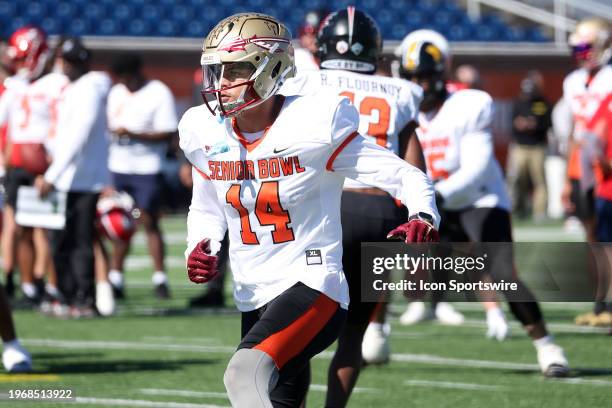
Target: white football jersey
386, 105
458, 148
279, 196
34, 115
584, 96
304, 60
14, 88
150, 109
80, 158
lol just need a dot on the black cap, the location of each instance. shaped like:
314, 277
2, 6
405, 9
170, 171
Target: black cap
72, 50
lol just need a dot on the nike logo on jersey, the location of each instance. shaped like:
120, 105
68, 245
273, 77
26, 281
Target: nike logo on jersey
276, 151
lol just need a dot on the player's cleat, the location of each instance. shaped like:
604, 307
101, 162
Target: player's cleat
586, 319
604, 319
50, 297
105, 301
118, 291
416, 312
60, 310
16, 359
375, 345
162, 291
552, 361
446, 314
497, 326
82, 312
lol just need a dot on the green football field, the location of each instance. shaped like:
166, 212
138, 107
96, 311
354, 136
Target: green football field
161, 354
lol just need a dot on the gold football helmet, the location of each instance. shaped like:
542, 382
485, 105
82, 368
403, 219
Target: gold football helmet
250, 46
590, 43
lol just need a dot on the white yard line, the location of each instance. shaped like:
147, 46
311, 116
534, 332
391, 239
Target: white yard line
453, 385
461, 362
357, 390
581, 381
190, 348
191, 340
411, 358
121, 402
126, 345
183, 393
554, 327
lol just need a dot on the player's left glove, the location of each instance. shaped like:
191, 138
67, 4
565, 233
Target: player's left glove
419, 228
201, 265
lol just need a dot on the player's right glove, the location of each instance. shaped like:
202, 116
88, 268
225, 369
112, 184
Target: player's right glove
201, 265
419, 228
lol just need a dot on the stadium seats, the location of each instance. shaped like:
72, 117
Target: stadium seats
194, 18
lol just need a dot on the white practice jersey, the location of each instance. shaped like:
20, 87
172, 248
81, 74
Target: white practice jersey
34, 114
14, 89
80, 157
386, 105
151, 109
279, 197
585, 95
458, 148
304, 60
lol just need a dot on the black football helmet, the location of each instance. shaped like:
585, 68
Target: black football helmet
424, 63
349, 39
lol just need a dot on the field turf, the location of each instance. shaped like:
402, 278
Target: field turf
162, 354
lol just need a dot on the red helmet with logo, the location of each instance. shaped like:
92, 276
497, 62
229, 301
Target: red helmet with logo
115, 219
27, 47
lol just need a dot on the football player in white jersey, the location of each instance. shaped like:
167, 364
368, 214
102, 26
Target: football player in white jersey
584, 89
350, 46
497, 326
305, 55
270, 170
31, 112
455, 133
26, 52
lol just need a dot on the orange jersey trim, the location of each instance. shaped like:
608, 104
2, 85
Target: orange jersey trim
250, 146
284, 345
574, 170
330, 162
201, 173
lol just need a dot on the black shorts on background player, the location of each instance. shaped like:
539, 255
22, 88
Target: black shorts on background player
15, 178
365, 218
583, 201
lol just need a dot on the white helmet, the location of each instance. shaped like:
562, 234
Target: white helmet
590, 43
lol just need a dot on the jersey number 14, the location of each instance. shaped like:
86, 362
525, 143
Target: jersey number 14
268, 211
